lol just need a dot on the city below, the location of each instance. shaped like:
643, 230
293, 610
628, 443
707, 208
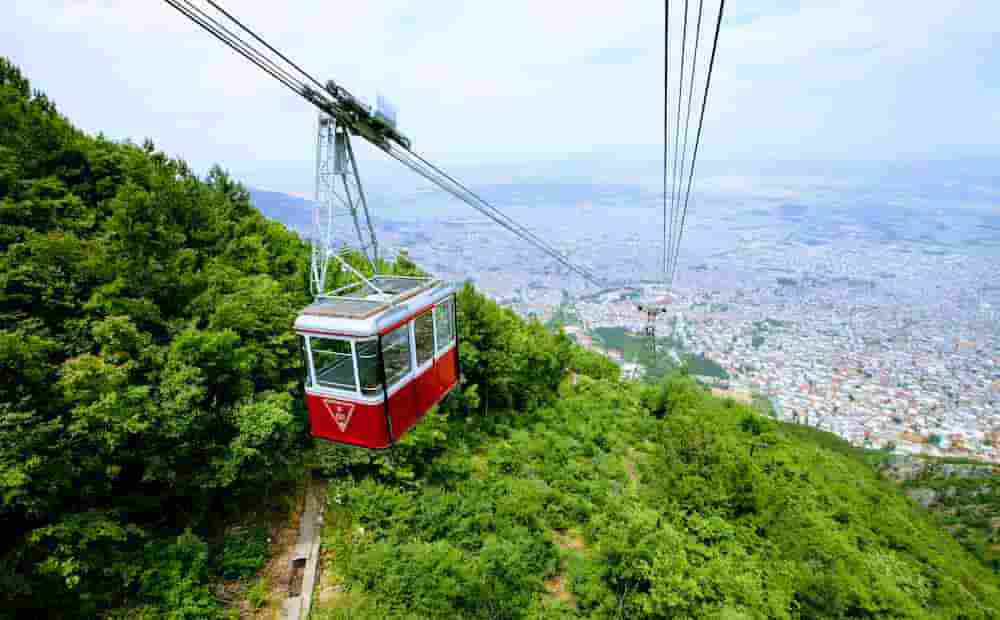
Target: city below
877, 323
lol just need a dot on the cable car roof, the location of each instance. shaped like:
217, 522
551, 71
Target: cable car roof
372, 311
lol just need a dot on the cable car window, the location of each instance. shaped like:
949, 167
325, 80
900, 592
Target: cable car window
333, 363
368, 367
396, 354
423, 330
444, 320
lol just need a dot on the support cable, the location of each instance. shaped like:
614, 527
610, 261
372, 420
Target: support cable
265, 44
458, 191
701, 121
430, 172
236, 44
677, 129
427, 170
475, 197
690, 96
666, 132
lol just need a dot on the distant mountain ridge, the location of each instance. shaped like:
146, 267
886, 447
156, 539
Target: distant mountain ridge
292, 211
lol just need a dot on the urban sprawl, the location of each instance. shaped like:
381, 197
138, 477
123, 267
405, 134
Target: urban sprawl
891, 345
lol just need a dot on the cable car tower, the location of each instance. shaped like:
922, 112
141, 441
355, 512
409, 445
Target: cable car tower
340, 199
652, 308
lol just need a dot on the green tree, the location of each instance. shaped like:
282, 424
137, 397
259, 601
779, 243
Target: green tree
149, 372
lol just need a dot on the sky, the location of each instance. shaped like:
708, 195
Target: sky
513, 86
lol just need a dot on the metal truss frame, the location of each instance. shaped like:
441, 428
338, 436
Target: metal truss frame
341, 208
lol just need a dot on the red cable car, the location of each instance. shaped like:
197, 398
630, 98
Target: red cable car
378, 360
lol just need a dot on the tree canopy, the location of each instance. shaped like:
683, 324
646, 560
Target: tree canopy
148, 372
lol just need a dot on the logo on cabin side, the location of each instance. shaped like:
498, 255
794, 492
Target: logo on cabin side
340, 412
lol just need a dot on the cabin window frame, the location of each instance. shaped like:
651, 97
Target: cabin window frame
398, 382
429, 361
338, 387
440, 350
378, 391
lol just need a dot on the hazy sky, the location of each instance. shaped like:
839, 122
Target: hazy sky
526, 80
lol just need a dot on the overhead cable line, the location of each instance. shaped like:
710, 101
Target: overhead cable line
427, 170
677, 129
232, 41
690, 98
666, 130
325, 100
265, 43
697, 141
529, 235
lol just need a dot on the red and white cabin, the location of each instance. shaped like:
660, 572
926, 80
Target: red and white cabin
377, 363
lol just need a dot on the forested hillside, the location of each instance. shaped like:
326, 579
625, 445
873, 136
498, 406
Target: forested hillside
965, 497
596, 498
149, 391
148, 373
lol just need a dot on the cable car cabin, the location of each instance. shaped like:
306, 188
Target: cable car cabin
377, 362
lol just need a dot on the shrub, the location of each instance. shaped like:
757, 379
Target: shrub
242, 553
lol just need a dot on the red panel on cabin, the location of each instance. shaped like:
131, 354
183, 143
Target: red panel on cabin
347, 422
403, 409
446, 371
363, 425
435, 384
411, 403
427, 393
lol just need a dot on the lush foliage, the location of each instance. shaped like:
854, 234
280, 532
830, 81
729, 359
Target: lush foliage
508, 363
623, 500
148, 374
965, 498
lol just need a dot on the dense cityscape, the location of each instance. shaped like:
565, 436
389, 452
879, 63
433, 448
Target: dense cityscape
888, 340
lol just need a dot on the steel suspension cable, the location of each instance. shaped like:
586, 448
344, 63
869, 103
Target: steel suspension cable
701, 121
666, 132
265, 43
426, 170
690, 96
486, 205
677, 130
220, 31
235, 43
452, 186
